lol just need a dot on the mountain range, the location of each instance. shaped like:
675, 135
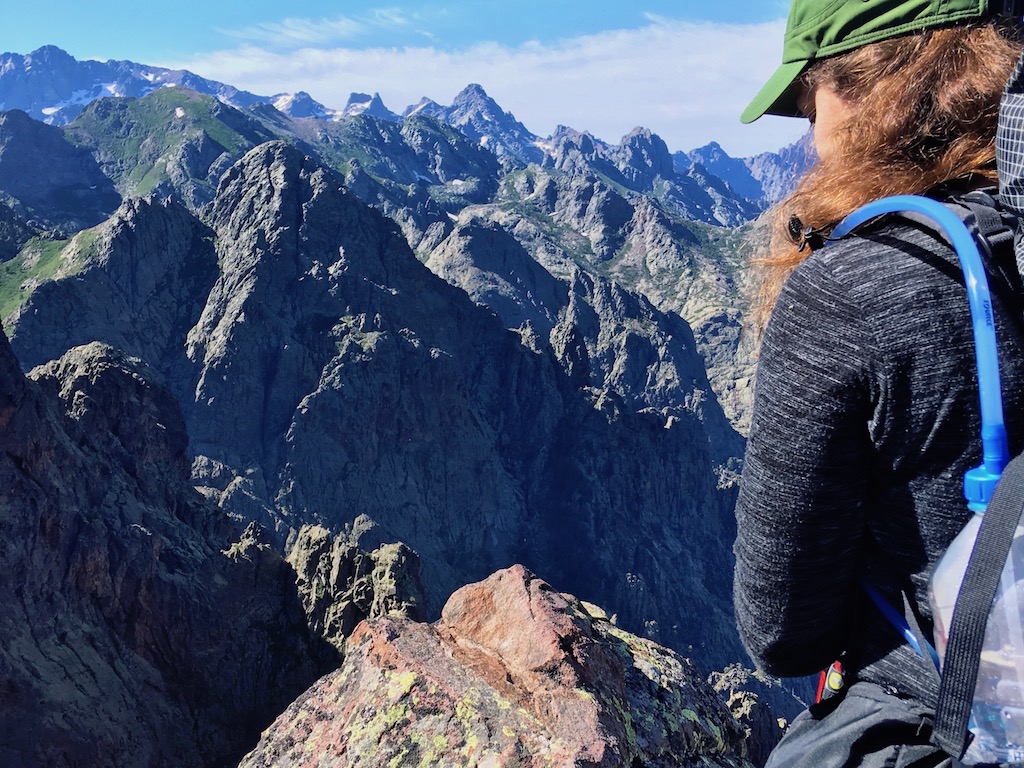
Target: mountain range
53, 87
374, 339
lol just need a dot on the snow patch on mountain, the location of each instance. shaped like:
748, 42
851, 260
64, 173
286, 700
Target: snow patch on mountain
77, 98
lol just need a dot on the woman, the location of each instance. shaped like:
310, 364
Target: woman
866, 409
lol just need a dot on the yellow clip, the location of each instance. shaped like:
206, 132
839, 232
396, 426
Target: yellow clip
834, 680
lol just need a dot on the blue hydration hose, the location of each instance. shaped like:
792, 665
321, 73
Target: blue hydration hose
980, 482
901, 625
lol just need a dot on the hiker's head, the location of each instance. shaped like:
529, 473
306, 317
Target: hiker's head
915, 80
916, 110
927, 101
817, 30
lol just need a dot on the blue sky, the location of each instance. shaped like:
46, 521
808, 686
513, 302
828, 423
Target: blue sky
683, 69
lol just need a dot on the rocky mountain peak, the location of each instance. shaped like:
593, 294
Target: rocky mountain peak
299, 104
473, 104
577, 153
711, 149
123, 582
45, 177
565, 137
149, 266
715, 160
364, 104
427, 107
48, 55
53, 87
474, 93
779, 172
122, 403
480, 118
284, 214
643, 154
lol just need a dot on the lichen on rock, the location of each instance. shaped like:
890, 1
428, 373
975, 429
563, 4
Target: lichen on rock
513, 674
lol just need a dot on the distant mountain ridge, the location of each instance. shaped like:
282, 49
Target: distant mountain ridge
53, 87
601, 206
766, 177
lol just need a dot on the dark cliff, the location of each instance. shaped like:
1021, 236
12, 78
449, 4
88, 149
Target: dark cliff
128, 607
329, 376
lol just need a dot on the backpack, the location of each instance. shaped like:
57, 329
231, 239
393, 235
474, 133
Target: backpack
977, 227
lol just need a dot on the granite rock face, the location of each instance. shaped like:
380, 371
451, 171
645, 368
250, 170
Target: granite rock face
144, 627
607, 338
642, 165
15, 232
582, 232
131, 603
748, 694
513, 674
341, 584
779, 172
140, 280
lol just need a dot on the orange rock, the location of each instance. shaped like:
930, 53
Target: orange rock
514, 673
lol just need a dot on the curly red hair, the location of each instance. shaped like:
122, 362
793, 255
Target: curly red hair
925, 112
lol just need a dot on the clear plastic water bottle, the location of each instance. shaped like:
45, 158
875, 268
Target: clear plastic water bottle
997, 715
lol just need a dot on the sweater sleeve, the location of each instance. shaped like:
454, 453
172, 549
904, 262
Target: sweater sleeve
800, 512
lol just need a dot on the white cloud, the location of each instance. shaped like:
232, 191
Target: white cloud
688, 82
390, 17
291, 33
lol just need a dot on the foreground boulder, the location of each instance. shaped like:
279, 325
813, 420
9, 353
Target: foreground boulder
514, 673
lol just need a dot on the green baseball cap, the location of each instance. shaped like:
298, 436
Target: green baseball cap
817, 29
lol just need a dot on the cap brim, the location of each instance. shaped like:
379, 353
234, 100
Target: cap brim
778, 96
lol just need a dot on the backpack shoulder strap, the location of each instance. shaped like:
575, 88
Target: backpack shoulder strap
998, 232
982, 214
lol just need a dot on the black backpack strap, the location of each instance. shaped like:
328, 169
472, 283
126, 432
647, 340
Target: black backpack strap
996, 231
970, 615
983, 215
986, 219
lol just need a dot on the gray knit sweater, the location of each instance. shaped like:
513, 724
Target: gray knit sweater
866, 417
